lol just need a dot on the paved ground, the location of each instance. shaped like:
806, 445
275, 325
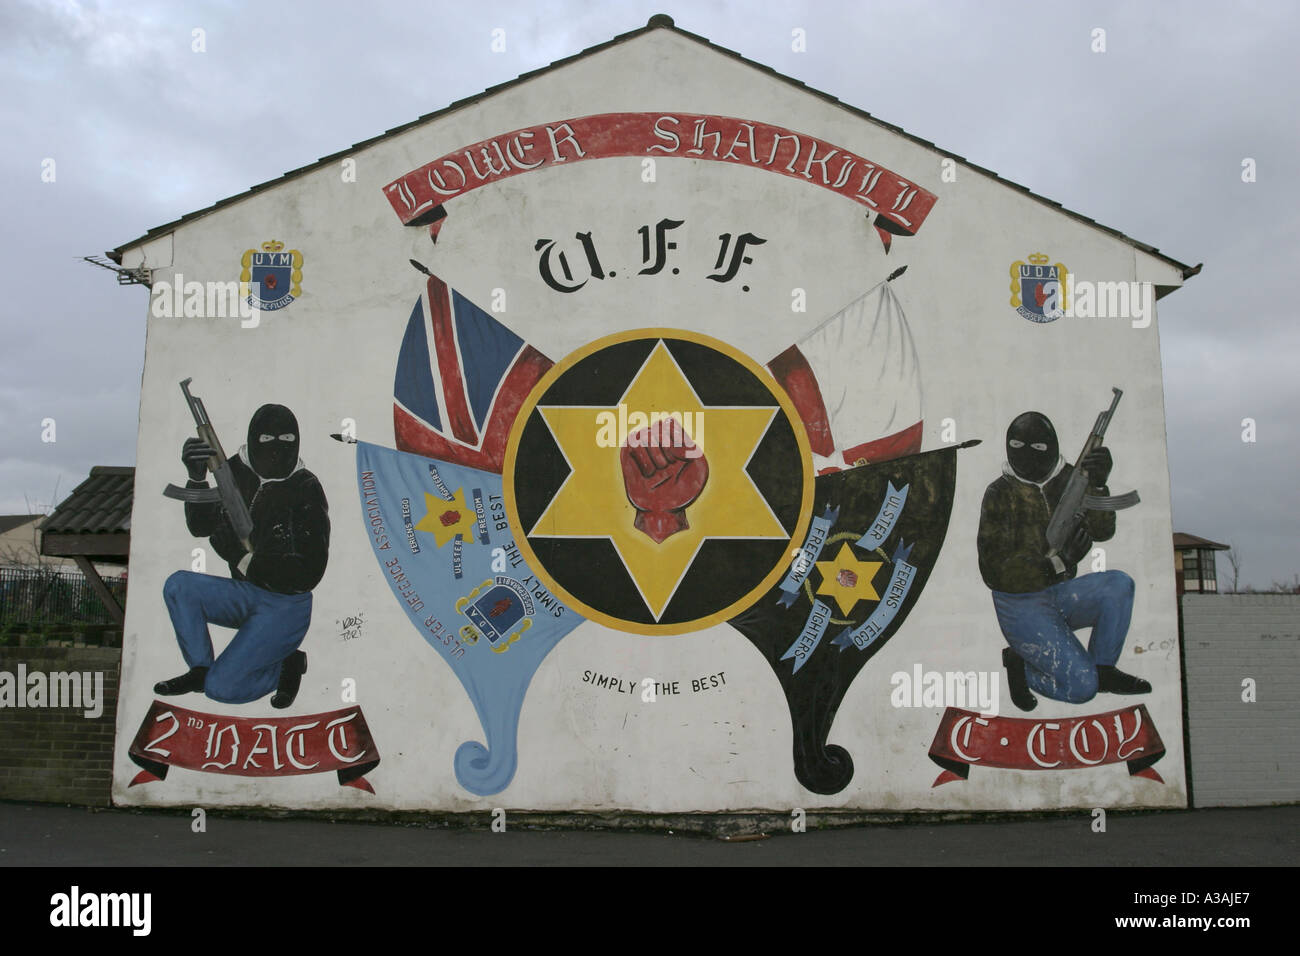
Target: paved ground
42, 835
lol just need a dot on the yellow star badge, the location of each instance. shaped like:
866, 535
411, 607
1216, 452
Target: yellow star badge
596, 500
445, 519
847, 580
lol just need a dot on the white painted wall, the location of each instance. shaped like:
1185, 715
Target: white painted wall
331, 355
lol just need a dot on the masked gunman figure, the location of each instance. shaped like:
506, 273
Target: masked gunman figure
267, 597
1039, 601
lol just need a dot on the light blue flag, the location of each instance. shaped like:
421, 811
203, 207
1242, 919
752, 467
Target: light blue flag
440, 534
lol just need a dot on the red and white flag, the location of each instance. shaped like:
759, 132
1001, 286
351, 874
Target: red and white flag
856, 382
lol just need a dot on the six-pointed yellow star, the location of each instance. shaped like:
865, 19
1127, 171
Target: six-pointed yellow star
445, 519
848, 580
593, 501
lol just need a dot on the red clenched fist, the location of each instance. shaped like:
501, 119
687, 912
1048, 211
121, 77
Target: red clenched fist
663, 471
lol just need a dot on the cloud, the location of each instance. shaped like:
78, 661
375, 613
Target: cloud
1147, 137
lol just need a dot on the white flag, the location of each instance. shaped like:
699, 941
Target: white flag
856, 382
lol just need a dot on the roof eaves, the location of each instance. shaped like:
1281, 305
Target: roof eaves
1183, 540
99, 505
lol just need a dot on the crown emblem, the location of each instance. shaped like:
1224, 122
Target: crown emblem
1036, 284
275, 271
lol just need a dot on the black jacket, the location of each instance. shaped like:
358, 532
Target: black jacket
291, 529
1013, 532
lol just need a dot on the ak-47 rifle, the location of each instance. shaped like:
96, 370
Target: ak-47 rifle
226, 492
1076, 502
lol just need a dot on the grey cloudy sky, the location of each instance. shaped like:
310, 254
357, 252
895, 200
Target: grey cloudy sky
1147, 137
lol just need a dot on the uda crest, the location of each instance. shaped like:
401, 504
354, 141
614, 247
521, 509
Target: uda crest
274, 276
1037, 289
500, 609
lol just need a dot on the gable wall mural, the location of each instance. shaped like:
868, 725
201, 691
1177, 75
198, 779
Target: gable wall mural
695, 445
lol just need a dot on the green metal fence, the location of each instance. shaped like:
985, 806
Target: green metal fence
43, 596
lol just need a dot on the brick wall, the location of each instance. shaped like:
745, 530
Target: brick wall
1243, 753
57, 754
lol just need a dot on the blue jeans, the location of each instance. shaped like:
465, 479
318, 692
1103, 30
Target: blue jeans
270, 628
1040, 628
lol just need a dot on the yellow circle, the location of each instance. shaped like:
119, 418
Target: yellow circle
538, 568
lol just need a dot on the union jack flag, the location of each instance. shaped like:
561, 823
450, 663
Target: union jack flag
461, 379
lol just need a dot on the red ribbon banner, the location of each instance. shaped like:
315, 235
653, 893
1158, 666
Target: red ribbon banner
900, 205
965, 739
254, 746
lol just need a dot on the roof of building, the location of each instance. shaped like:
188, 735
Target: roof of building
9, 522
99, 505
1184, 541
656, 22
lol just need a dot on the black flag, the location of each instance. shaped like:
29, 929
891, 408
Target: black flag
876, 533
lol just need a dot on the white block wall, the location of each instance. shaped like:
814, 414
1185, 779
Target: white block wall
1243, 754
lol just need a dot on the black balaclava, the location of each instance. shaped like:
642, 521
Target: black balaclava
273, 441
1026, 431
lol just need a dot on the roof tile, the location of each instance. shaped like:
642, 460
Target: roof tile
99, 505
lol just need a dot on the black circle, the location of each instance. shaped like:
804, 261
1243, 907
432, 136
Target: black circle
724, 570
